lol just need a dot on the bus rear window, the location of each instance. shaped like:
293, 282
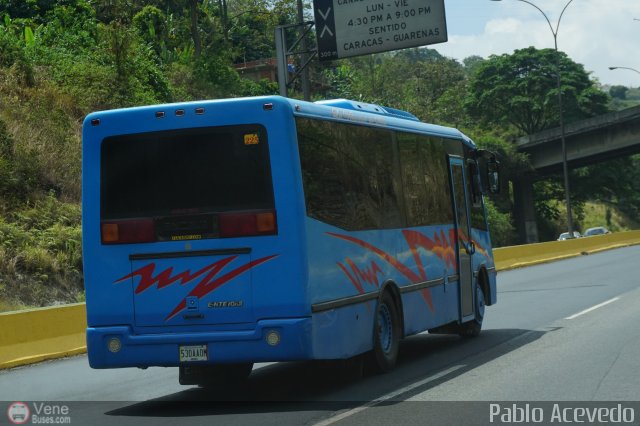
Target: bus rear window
183, 178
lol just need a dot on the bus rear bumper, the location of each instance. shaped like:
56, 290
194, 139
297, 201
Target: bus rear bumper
270, 340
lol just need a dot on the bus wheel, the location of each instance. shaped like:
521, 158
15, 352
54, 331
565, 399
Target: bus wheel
473, 327
386, 335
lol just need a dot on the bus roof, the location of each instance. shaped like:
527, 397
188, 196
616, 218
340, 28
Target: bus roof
343, 110
377, 115
372, 108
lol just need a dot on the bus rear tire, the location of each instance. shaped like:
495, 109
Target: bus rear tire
386, 335
474, 327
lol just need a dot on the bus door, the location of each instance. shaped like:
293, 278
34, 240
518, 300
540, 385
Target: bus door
464, 246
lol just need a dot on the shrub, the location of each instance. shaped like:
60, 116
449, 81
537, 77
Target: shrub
41, 254
500, 226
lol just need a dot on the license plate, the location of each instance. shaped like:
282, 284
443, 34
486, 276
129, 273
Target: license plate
193, 353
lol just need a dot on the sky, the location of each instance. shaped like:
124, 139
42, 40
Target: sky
595, 33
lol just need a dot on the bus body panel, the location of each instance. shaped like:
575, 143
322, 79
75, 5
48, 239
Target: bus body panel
344, 266
144, 350
162, 302
343, 332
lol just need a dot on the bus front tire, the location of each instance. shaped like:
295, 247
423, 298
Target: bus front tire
386, 335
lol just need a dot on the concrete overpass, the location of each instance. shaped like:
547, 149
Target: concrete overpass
588, 142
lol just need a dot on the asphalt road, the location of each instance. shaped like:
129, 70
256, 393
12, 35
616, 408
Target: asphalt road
541, 342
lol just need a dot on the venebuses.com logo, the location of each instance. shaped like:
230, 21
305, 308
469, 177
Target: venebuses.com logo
18, 413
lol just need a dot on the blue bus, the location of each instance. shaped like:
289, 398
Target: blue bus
217, 234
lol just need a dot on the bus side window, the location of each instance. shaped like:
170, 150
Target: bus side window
348, 178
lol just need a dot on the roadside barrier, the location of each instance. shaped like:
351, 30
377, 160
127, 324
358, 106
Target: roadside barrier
533, 254
35, 335
40, 334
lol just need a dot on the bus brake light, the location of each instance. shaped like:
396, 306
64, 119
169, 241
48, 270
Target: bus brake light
128, 231
247, 224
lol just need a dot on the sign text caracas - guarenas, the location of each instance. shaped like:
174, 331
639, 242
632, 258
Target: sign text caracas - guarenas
359, 27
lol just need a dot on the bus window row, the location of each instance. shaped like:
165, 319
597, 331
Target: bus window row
357, 177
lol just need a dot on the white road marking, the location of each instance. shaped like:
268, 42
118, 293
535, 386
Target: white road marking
341, 416
586, 311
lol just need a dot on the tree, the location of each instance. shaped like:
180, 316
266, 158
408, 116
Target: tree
195, 33
151, 25
502, 230
71, 27
618, 92
520, 89
418, 80
251, 27
602, 182
12, 55
472, 63
33, 9
419, 54
428, 81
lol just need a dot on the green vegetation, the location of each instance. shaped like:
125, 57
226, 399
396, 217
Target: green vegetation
519, 89
61, 59
609, 216
623, 97
40, 253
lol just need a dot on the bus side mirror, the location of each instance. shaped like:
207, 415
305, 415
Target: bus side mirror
493, 175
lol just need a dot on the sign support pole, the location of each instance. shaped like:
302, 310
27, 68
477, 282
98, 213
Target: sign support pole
306, 91
283, 52
281, 60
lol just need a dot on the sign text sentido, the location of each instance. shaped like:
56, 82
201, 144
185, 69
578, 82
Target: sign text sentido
347, 28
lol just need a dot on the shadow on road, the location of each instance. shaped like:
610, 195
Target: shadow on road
316, 386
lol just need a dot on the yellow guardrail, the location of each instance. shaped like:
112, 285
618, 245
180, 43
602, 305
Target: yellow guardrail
532, 254
35, 335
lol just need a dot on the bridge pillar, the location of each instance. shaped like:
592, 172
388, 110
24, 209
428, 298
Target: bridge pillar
524, 214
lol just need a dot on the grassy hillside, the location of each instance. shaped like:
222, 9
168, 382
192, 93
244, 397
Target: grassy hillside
40, 255
600, 214
40, 243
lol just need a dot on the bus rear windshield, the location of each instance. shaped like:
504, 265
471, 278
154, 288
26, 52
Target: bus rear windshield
185, 172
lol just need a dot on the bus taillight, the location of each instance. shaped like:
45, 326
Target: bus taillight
247, 224
128, 231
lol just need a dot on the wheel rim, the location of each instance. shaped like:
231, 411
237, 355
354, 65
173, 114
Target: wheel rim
479, 302
385, 328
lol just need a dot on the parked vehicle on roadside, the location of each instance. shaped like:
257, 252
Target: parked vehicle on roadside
565, 235
597, 230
